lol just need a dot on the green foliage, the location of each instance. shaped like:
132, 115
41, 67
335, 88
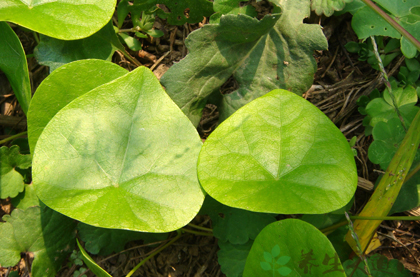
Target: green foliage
379, 266
94, 267
105, 241
223, 7
60, 19
261, 55
54, 52
268, 157
26, 199
49, 99
131, 154
11, 181
232, 257
328, 7
13, 64
292, 247
367, 23
48, 235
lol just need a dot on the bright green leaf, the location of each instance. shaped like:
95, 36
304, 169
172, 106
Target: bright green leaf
26, 199
11, 181
265, 265
101, 45
41, 231
131, 154
278, 154
283, 260
13, 64
328, 7
308, 250
61, 19
234, 225
56, 91
275, 251
268, 257
379, 266
232, 257
275, 52
105, 241
131, 42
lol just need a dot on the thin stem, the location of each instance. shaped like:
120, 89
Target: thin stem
200, 228
12, 137
155, 253
196, 232
393, 23
333, 227
131, 30
131, 59
387, 83
36, 37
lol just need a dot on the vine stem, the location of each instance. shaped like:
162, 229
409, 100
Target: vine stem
13, 137
196, 232
393, 23
200, 228
155, 253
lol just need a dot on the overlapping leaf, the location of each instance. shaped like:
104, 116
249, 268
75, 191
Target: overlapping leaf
232, 257
275, 52
60, 19
131, 155
292, 245
379, 266
48, 235
56, 91
101, 45
328, 7
367, 23
13, 64
105, 241
278, 154
11, 181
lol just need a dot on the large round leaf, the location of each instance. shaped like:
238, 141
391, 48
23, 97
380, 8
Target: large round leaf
61, 19
278, 154
56, 91
292, 248
121, 156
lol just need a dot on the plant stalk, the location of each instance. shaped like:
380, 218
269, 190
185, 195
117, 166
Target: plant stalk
393, 23
13, 137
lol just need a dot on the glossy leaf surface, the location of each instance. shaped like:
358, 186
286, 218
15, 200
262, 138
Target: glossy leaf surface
56, 91
61, 19
101, 45
13, 64
278, 154
131, 154
292, 247
11, 181
261, 55
46, 234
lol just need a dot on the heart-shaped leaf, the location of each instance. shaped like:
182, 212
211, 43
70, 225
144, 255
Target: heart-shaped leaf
261, 55
304, 250
56, 91
278, 154
101, 45
11, 181
13, 64
60, 19
48, 235
131, 154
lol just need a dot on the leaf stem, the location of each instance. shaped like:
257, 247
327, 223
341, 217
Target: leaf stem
393, 23
196, 232
155, 253
200, 228
13, 137
131, 59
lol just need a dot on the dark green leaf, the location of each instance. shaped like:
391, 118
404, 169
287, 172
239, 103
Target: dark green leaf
197, 10
13, 64
55, 53
379, 266
94, 267
232, 257
222, 7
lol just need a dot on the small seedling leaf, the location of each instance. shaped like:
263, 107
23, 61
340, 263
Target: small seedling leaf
50, 98
105, 241
13, 64
379, 266
267, 158
55, 53
261, 55
61, 19
11, 181
328, 7
232, 257
48, 235
304, 250
131, 154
